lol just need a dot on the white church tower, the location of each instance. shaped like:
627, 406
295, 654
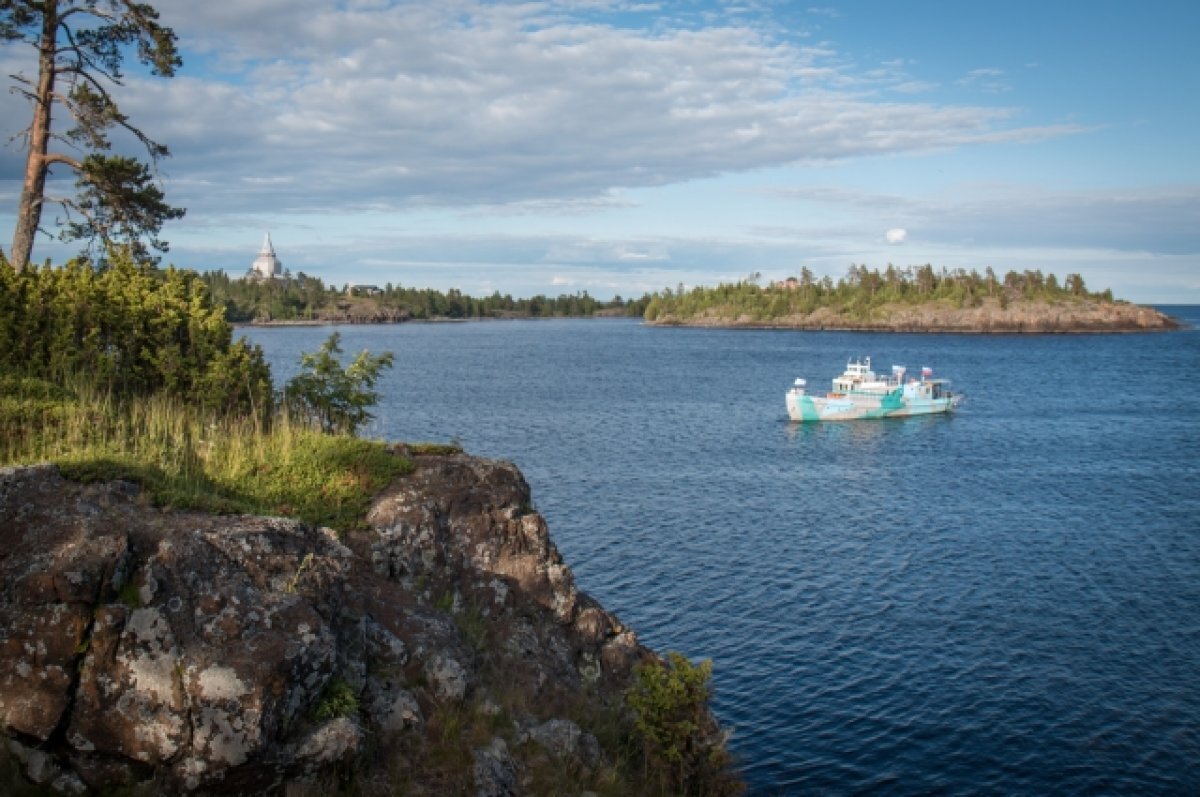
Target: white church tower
266, 266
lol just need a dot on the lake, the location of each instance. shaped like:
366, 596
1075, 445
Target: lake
1006, 600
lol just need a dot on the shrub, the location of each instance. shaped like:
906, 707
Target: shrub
132, 329
333, 396
681, 744
338, 700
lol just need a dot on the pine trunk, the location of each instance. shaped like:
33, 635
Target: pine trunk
29, 214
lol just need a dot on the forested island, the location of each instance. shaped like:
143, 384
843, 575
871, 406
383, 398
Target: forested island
911, 299
303, 298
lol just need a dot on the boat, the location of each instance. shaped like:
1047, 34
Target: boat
861, 393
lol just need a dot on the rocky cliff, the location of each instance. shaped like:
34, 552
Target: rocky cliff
444, 649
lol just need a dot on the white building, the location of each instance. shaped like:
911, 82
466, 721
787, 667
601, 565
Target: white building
266, 266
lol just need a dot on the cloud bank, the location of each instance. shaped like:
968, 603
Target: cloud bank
309, 107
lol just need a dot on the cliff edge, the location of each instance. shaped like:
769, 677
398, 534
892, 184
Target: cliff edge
445, 649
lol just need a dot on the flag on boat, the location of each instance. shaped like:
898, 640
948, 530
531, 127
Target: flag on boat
926, 371
897, 370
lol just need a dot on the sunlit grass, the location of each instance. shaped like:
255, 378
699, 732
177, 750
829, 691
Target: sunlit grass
186, 458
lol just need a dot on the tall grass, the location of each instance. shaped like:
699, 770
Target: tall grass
188, 458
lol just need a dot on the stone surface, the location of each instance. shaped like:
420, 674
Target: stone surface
494, 772
247, 655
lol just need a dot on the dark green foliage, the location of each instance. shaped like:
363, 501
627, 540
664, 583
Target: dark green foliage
29, 404
132, 329
862, 294
338, 700
291, 299
130, 595
681, 745
303, 298
118, 203
335, 397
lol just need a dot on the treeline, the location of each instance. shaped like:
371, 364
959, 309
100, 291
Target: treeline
132, 329
864, 290
308, 298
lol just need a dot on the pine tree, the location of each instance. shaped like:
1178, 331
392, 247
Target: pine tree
80, 46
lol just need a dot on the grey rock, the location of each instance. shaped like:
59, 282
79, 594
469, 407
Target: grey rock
494, 771
565, 739
193, 650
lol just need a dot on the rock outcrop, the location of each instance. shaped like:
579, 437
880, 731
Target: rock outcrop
988, 317
445, 646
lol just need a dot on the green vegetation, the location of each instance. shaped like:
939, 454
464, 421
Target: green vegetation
863, 295
305, 298
188, 458
129, 372
331, 395
133, 330
670, 705
338, 700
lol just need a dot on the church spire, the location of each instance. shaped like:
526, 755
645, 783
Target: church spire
266, 265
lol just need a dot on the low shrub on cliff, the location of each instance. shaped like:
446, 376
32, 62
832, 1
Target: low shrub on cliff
681, 745
338, 700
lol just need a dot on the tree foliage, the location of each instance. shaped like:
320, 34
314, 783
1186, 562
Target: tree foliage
132, 329
335, 397
863, 292
681, 745
81, 46
303, 297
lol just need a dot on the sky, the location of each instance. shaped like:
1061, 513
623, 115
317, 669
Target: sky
619, 147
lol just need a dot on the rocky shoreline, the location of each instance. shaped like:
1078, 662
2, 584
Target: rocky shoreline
444, 647
990, 317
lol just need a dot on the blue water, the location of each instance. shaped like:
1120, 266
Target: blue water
1002, 601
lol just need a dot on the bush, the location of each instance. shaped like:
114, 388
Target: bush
338, 700
681, 744
131, 329
332, 396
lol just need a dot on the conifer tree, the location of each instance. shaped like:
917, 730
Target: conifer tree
81, 46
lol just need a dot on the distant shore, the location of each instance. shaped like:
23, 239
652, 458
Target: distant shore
989, 318
323, 322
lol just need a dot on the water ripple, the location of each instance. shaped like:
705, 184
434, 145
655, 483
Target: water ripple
1003, 601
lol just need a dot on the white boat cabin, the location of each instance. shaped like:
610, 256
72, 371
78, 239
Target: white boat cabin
859, 378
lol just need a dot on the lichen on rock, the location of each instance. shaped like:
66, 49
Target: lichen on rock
239, 654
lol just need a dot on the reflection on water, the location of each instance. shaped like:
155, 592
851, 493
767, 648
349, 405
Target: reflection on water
864, 435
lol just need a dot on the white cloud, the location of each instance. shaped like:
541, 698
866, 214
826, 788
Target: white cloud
1162, 220
467, 103
988, 79
896, 235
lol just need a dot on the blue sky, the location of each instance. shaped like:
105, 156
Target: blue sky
619, 147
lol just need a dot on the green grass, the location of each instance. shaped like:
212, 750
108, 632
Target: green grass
185, 458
